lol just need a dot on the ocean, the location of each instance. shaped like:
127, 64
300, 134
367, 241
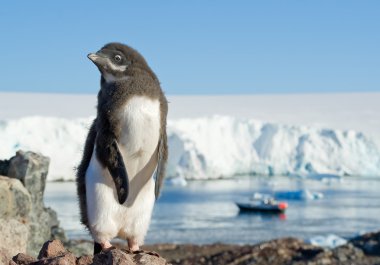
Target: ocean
204, 212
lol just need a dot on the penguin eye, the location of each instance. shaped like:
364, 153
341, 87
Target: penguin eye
117, 58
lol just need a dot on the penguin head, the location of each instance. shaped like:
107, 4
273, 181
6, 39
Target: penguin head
115, 61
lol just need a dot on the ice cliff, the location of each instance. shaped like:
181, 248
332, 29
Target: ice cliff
210, 147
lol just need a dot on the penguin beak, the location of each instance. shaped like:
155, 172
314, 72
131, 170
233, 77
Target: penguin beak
99, 60
92, 56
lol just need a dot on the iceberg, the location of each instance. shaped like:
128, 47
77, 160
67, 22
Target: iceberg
328, 241
326, 178
210, 147
176, 181
302, 195
260, 196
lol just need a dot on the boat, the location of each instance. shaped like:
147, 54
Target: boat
269, 205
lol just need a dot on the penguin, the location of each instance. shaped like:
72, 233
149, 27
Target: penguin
125, 153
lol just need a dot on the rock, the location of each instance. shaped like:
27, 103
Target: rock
80, 247
146, 259
369, 243
123, 257
52, 249
348, 252
113, 257
13, 236
32, 169
4, 165
23, 259
65, 259
58, 233
54, 253
85, 260
286, 251
4, 256
15, 199
372, 248
15, 206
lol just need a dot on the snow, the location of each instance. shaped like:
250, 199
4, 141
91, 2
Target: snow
60, 139
222, 146
211, 147
328, 241
342, 111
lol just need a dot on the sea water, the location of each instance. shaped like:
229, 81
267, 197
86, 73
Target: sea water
205, 212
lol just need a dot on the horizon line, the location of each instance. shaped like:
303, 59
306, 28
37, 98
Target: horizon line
206, 95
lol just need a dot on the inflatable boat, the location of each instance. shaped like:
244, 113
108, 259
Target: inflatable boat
263, 205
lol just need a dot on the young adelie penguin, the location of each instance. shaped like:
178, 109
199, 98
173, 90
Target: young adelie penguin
125, 146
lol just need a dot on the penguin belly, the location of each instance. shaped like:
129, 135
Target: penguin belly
138, 143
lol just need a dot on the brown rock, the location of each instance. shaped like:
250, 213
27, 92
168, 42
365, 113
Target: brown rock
23, 259
119, 257
146, 259
65, 259
51, 249
54, 253
85, 260
113, 257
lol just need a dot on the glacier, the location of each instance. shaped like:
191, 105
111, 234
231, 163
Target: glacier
209, 147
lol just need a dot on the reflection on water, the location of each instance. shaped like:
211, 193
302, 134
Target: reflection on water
263, 216
204, 211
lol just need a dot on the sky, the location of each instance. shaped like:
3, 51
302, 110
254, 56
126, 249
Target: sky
196, 47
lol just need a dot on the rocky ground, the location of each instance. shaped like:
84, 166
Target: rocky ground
25, 224
364, 250
54, 253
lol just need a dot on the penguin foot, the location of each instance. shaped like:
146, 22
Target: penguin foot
106, 246
109, 249
133, 245
99, 247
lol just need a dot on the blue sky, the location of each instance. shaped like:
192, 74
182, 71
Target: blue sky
196, 47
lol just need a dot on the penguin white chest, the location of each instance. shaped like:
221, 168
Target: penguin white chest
138, 141
140, 130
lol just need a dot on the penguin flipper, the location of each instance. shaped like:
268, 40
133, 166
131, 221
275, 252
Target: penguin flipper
161, 164
119, 175
81, 172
